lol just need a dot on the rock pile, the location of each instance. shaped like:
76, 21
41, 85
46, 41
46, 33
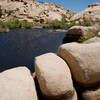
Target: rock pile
54, 73
33, 11
92, 13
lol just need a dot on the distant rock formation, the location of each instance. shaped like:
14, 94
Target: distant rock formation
31, 11
92, 13
94, 4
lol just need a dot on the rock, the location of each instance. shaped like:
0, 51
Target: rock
33, 75
74, 97
2, 29
93, 40
17, 84
33, 11
58, 30
54, 77
83, 61
94, 4
92, 94
76, 22
77, 32
74, 33
92, 13
98, 34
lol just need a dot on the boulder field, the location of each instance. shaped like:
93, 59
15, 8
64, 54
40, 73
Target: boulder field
60, 76
92, 13
33, 11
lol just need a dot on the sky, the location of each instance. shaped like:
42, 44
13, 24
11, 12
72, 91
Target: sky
74, 5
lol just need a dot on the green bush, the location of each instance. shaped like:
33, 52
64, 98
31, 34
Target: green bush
16, 24
10, 25
71, 24
55, 24
26, 24
86, 22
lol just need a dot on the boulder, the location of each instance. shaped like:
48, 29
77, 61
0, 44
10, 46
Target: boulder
74, 97
54, 77
98, 34
74, 33
17, 84
92, 94
93, 40
2, 29
77, 32
83, 61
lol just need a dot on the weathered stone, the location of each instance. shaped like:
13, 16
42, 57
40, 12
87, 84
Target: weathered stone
74, 33
92, 13
98, 34
54, 77
77, 32
94, 4
92, 94
29, 10
4, 29
17, 84
83, 60
93, 40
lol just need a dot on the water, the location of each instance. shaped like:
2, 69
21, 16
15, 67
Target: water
19, 47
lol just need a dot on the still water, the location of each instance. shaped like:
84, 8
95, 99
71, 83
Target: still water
19, 46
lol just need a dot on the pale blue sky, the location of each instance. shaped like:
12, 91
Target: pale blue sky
74, 5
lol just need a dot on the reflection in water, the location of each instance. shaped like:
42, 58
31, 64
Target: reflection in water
20, 46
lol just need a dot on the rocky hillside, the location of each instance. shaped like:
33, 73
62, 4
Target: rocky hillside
92, 13
31, 10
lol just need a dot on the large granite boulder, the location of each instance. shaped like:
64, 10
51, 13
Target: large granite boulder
17, 84
54, 77
79, 33
74, 33
83, 61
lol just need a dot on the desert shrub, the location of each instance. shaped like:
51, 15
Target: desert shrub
55, 24
26, 24
71, 24
16, 24
86, 22
9, 24
99, 26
